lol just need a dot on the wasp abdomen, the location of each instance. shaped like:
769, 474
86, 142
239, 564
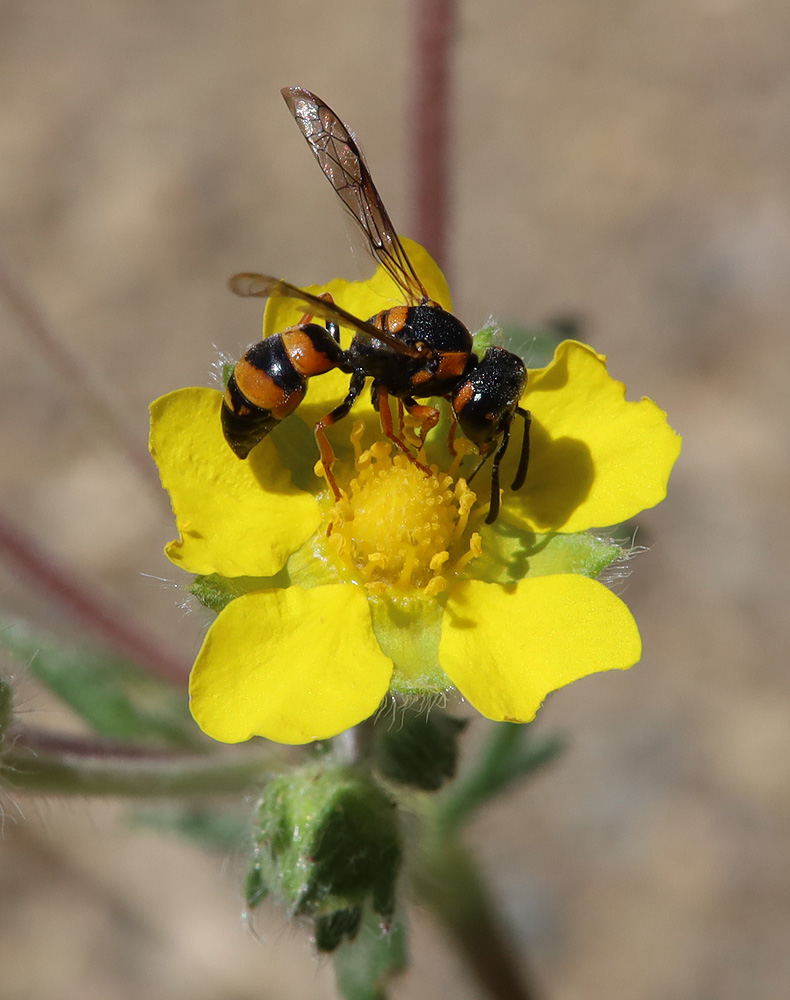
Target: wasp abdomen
263, 389
269, 382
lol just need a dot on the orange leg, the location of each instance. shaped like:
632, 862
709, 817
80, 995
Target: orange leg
427, 415
386, 425
451, 438
327, 454
308, 316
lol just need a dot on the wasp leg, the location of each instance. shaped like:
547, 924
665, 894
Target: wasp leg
427, 415
332, 328
401, 424
523, 462
355, 387
493, 510
451, 437
381, 402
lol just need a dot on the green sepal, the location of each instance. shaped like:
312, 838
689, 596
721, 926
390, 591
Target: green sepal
534, 345
486, 337
510, 553
256, 889
308, 567
114, 696
408, 631
331, 930
365, 968
420, 750
215, 592
328, 841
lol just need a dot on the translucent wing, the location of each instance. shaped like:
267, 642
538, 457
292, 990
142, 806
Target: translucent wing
344, 166
263, 286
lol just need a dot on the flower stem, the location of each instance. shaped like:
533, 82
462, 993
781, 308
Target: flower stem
59, 764
449, 884
80, 376
434, 28
106, 620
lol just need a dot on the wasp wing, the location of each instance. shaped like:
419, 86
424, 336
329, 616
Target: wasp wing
344, 166
249, 285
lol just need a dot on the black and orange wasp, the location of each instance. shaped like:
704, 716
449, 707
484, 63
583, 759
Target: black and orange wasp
412, 351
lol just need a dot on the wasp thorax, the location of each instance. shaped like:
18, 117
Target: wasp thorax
401, 527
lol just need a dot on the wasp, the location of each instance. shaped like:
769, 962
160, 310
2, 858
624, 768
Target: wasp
413, 351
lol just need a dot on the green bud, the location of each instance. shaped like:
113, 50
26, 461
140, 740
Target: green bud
328, 844
422, 751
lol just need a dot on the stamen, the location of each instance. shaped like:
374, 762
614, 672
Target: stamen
399, 527
463, 447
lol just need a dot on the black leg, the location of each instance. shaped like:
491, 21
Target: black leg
494, 509
523, 462
355, 387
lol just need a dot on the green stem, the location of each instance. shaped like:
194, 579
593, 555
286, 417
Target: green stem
449, 884
37, 762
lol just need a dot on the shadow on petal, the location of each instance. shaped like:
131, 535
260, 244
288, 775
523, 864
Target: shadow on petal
560, 477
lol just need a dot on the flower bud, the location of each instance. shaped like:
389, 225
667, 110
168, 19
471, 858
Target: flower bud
328, 843
422, 751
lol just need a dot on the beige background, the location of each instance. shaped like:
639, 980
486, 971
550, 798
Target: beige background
625, 161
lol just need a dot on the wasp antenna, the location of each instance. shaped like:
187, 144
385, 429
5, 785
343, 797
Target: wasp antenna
523, 462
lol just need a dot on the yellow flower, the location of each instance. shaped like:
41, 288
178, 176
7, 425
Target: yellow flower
325, 607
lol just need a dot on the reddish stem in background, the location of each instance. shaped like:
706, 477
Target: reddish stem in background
80, 376
431, 116
105, 619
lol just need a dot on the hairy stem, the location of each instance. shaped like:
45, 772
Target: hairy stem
449, 884
59, 764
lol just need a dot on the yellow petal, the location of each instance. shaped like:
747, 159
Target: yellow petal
506, 648
364, 299
235, 518
291, 665
595, 458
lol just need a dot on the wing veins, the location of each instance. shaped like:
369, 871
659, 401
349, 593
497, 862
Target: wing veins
344, 166
263, 286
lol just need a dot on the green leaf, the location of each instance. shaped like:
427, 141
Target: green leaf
365, 967
511, 755
114, 696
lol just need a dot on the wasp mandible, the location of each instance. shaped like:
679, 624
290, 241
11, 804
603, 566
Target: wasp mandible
412, 351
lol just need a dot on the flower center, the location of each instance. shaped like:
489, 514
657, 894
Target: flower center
401, 526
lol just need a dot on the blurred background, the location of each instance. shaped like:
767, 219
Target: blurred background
621, 161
